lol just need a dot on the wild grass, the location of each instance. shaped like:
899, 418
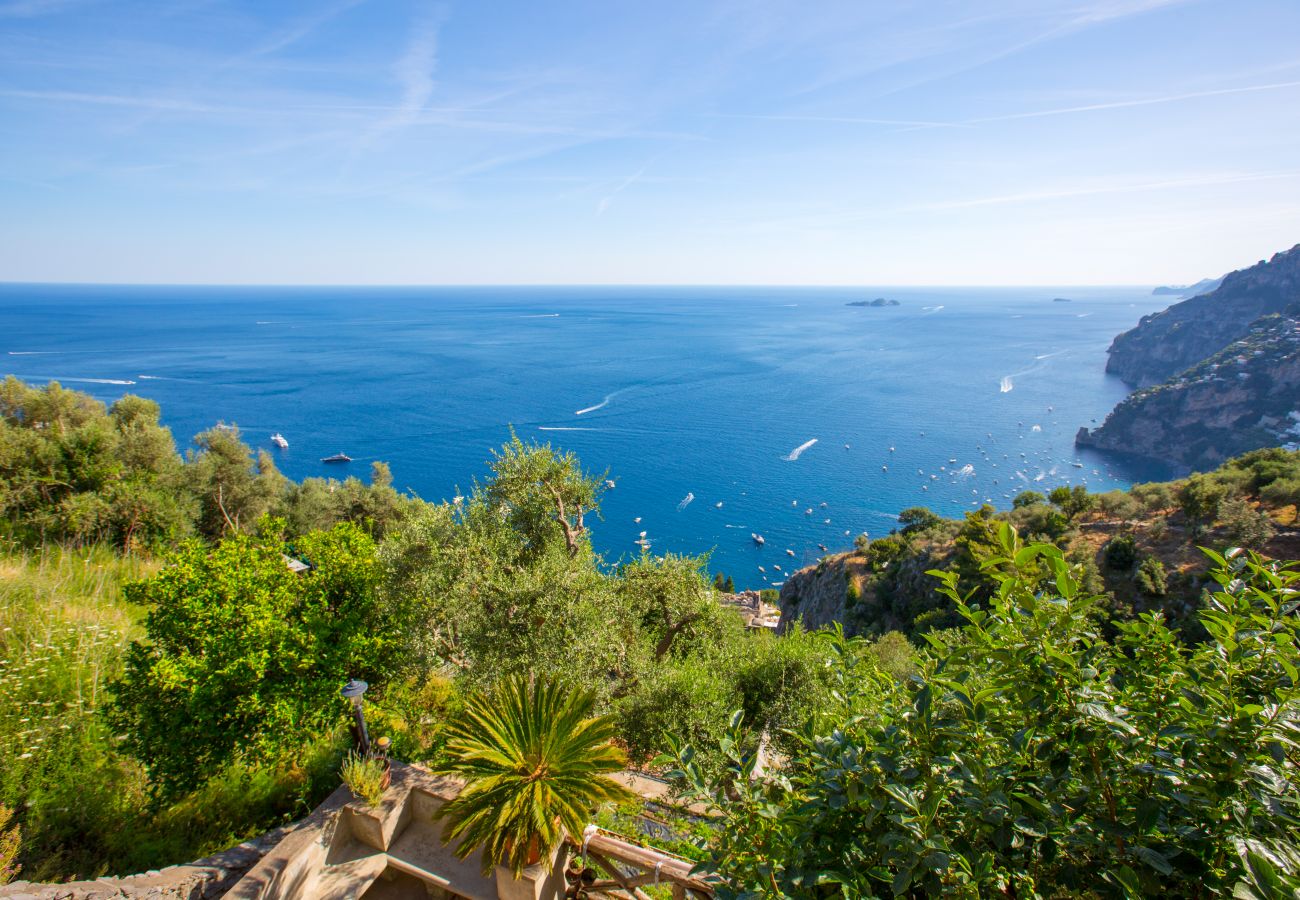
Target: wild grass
84, 807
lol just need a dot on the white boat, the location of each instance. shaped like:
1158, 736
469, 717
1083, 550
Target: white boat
609, 483
757, 538
279, 441
789, 552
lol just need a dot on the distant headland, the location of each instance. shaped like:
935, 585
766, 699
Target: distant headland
879, 301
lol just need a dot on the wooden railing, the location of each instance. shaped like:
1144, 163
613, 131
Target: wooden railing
630, 867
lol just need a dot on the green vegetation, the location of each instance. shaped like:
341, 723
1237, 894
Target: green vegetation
535, 763
1109, 705
74, 472
197, 676
1137, 547
11, 841
1028, 756
244, 655
364, 776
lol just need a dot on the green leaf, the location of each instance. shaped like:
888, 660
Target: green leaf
1154, 859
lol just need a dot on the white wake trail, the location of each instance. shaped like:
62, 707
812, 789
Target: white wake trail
798, 451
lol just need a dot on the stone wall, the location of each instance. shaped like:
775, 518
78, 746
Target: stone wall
200, 880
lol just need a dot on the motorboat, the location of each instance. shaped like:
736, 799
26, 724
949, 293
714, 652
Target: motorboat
339, 457
279, 441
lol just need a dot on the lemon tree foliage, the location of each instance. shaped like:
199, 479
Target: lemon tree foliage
1031, 757
243, 657
535, 762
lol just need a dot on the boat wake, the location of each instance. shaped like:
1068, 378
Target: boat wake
1007, 384
83, 380
798, 451
542, 316
601, 405
686, 501
564, 428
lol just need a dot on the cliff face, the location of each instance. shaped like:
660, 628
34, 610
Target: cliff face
1165, 343
1239, 399
816, 595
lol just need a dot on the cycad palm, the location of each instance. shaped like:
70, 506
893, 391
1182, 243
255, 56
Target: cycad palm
534, 761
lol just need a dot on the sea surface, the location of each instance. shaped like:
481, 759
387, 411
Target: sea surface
717, 412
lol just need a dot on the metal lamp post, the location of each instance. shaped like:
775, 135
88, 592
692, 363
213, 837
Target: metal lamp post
355, 690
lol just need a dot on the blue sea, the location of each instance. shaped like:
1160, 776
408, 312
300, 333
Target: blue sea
716, 412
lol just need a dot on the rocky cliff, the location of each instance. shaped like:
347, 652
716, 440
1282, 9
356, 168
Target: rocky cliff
816, 595
1165, 343
1244, 397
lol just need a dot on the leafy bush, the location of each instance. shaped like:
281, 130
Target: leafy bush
1027, 498
244, 656
1246, 526
1282, 492
1120, 553
364, 776
1199, 498
916, 519
1118, 505
1032, 758
852, 593
1072, 501
1150, 577
1155, 497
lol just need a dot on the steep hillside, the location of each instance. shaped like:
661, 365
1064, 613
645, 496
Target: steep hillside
1139, 548
1165, 343
1242, 398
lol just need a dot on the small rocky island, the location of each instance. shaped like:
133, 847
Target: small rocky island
879, 301
1061, 300
1218, 374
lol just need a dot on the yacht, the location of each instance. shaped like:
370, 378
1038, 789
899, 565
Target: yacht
757, 538
279, 441
339, 457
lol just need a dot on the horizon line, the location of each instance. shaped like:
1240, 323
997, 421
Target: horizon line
584, 284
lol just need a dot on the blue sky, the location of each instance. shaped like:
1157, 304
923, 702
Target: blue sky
708, 141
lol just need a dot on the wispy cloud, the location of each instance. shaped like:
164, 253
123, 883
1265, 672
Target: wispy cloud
605, 201
414, 71
1145, 101
1191, 181
846, 120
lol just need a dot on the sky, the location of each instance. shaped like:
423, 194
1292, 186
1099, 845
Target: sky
934, 142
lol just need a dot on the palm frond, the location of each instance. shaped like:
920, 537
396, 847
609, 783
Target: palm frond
534, 760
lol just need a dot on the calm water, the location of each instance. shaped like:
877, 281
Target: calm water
679, 393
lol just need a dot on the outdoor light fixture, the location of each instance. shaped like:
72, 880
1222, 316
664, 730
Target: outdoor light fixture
355, 690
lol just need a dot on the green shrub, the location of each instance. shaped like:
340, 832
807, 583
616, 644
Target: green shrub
916, 519
1031, 758
1282, 492
1150, 577
852, 593
1120, 553
244, 657
1246, 526
364, 776
1155, 497
1072, 501
770, 596
1028, 498
1118, 505
1200, 498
